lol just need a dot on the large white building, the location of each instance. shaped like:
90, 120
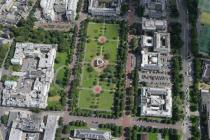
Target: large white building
104, 8
150, 61
156, 102
51, 8
25, 125
92, 134
149, 24
154, 8
34, 78
162, 42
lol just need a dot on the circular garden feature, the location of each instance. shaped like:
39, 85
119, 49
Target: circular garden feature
102, 40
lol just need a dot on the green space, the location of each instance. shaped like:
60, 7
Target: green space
204, 39
204, 34
204, 5
205, 18
90, 76
3, 49
152, 136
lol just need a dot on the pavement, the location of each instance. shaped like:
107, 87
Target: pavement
126, 121
185, 54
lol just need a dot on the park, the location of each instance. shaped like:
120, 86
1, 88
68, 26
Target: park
97, 84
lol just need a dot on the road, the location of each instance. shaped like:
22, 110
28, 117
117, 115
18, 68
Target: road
94, 121
186, 61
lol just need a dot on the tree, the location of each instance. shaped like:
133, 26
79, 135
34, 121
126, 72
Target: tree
4, 119
106, 56
134, 43
60, 121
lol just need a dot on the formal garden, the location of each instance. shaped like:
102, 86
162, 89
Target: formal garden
97, 84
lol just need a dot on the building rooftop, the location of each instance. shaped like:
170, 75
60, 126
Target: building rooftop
162, 42
150, 24
147, 41
92, 134
205, 97
51, 127
156, 102
53, 9
154, 8
11, 11
206, 71
34, 78
104, 8
150, 60
26, 125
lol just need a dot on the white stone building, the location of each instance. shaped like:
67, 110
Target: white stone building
34, 78
51, 8
156, 102
104, 8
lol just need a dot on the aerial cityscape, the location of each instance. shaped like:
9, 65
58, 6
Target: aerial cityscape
105, 69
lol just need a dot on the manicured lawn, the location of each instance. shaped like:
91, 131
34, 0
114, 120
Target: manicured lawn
54, 101
60, 70
205, 18
3, 49
152, 136
60, 67
111, 49
88, 100
61, 58
90, 77
94, 30
92, 50
106, 100
204, 39
111, 31
60, 77
85, 99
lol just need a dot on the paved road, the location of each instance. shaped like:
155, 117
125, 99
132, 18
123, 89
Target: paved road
126, 121
186, 54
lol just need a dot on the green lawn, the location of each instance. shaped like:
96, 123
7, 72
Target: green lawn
205, 18
60, 70
152, 136
111, 49
204, 5
3, 49
60, 60
90, 77
92, 50
94, 30
111, 31
60, 67
204, 39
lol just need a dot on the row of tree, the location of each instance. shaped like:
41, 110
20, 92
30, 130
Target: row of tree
120, 70
116, 130
135, 132
175, 29
177, 92
192, 6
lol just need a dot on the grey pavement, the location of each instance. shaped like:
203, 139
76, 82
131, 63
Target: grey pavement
185, 54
